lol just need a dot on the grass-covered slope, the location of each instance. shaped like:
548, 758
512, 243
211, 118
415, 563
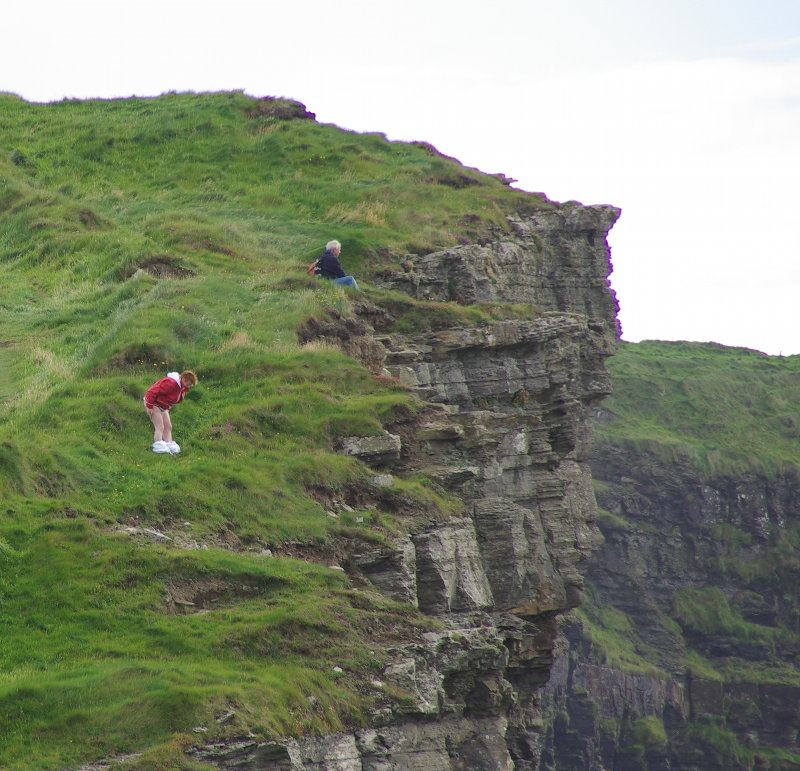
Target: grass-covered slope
144, 235
726, 409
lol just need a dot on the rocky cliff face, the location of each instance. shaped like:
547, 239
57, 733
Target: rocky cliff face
557, 259
506, 432
703, 566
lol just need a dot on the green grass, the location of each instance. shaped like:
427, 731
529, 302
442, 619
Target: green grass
779, 758
413, 316
649, 732
772, 672
699, 666
776, 565
170, 754
609, 521
614, 639
731, 669
721, 747
139, 236
95, 656
724, 410
707, 612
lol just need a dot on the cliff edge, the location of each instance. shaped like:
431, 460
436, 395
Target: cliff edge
505, 430
381, 501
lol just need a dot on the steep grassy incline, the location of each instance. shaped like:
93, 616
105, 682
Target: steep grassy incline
724, 409
144, 235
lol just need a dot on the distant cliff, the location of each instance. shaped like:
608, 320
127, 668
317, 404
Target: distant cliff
686, 654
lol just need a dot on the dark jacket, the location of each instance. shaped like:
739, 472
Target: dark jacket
329, 266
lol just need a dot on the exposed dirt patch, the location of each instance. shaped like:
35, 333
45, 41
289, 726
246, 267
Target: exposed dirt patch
297, 283
18, 158
90, 219
223, 430
210, 245
161, 266
397, 628
378, 317
108, 763
474, 230
282, 109
364, 496
182, 535
52, 484
203, 594
352, 335
456, 180
137, 356
334, 326
433, 150
330, 554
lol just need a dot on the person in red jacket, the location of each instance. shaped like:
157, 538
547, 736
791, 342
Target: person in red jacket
159, 399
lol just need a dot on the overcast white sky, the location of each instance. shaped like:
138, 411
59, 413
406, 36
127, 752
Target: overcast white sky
685, 113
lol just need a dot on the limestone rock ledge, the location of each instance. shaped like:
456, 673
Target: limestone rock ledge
507, 432
554, 258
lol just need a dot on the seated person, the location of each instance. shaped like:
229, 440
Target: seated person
328, 266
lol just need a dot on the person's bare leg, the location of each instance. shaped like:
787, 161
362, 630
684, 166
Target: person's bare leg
157, 421
167, 426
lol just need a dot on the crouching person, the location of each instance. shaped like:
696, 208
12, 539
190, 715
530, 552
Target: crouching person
328, 266
159, 399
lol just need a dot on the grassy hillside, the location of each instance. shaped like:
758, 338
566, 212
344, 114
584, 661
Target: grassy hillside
726, 409
144, 235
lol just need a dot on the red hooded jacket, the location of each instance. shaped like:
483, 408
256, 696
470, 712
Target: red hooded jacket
165, 393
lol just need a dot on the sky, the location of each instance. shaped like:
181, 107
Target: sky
684, 113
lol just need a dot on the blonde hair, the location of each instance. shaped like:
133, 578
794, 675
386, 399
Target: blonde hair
331, 245
189, 377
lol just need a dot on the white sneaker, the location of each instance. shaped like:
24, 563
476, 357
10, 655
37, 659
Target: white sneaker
173, 447
160, 447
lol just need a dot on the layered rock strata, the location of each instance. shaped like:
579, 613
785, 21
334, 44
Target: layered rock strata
556, 258
506, 432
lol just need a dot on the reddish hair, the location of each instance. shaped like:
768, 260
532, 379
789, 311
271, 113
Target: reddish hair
188, 377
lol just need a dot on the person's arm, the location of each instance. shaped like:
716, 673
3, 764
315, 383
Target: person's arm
152, 394
339, 269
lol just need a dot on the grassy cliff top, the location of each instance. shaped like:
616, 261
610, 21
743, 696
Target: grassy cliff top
726, 409
139, 236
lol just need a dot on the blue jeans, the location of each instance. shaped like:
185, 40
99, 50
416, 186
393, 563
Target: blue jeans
346, 281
